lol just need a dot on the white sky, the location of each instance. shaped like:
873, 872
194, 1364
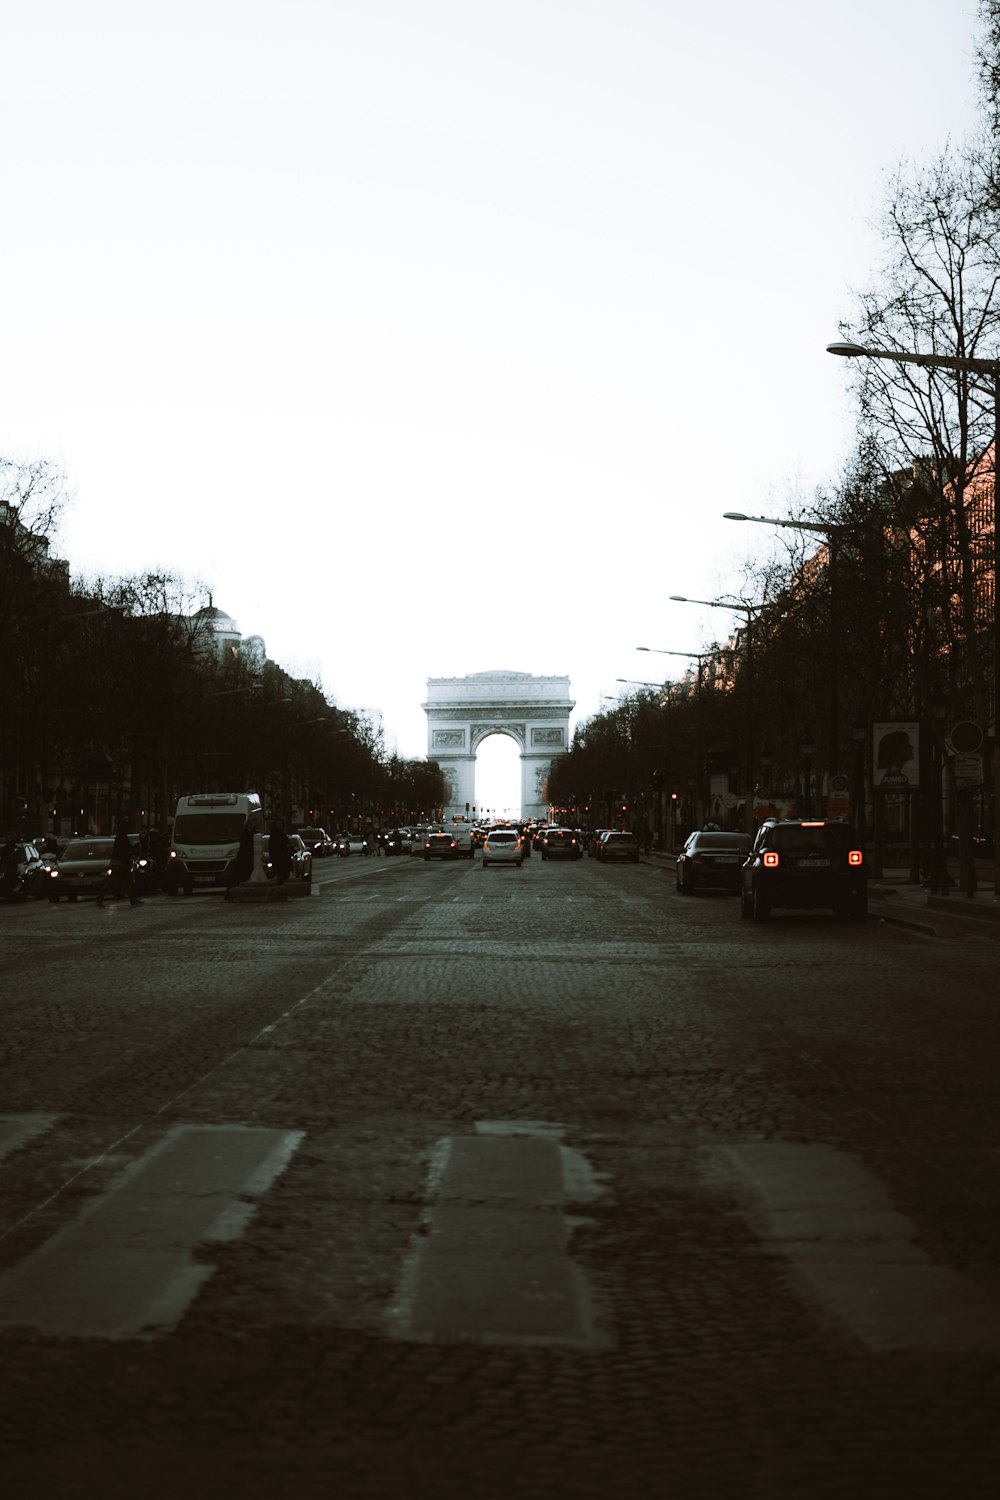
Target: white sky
436, 335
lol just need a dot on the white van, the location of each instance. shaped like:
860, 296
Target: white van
206, 838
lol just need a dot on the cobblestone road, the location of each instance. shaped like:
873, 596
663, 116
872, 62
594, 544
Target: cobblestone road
471, 1183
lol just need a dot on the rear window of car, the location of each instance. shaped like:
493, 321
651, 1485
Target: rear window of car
503, 838
827, 838
311, 833
619, 838
721, 841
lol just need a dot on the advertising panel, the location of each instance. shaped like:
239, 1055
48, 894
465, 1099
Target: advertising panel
896, 756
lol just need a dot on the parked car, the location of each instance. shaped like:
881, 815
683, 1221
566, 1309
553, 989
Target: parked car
712, 861
805, 864
318, 842
503, 847
561, 843
615, 845
23, 872
440, 846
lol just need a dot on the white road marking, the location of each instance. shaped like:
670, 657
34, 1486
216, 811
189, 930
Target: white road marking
124, 1267
494, 1266
833, 1220
17, 1130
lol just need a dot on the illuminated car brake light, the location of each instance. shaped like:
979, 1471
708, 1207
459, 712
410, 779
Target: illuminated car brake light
771, 860
815, 823
855, 857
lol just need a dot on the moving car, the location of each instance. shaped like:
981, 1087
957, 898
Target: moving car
615, 845
593, 840
82, 869
302, 858
351, 843
561, 843
804, 864
712, 860
502, 846
318, 842
440, 846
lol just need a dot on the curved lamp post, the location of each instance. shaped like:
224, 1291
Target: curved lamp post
701, 657
833, 535
738, 606
991, 369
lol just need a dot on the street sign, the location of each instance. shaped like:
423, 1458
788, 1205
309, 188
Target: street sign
968, 770
965, 737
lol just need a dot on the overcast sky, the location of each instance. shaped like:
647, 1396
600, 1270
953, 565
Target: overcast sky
434, 336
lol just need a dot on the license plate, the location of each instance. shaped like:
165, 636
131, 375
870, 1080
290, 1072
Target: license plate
814, 864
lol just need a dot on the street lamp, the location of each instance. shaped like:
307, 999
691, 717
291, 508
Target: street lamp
749, 610
991, 369
833, 535
701, 657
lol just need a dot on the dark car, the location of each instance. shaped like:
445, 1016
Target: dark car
615, 845
318, 842
593, 839
805, 864
440, 846
82, 869
85, 863
561, 843
23, 872
712, 861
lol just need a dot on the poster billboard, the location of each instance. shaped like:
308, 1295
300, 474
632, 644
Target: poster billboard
896, 756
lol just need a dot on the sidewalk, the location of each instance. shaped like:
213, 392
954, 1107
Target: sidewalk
893, 898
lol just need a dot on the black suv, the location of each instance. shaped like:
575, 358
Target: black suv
805, 863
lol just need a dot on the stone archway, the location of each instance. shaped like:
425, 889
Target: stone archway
464, 711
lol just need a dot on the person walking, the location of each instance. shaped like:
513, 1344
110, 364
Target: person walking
120, 873
279, 852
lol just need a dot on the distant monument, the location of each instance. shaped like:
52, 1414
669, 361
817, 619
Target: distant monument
462, 712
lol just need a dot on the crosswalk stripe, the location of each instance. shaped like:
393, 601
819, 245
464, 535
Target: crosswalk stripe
124, 1267
494, 1266
834, 1221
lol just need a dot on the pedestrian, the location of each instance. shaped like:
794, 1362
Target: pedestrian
279, 852
647, 841
242, 866
120, 872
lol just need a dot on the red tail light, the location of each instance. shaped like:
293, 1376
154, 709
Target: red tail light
771, 860
855, 857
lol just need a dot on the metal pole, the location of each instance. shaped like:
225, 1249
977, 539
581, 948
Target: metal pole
749, 769
996, 634
833, 750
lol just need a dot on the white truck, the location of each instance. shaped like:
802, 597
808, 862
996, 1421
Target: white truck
206, 838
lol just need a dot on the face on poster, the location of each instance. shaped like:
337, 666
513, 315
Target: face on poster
896, 755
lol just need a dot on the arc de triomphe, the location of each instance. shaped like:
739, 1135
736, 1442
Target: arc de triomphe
464, 711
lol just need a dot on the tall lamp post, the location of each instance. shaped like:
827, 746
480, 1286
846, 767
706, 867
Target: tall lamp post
833, 535
991, 369
749, 610
700, 657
